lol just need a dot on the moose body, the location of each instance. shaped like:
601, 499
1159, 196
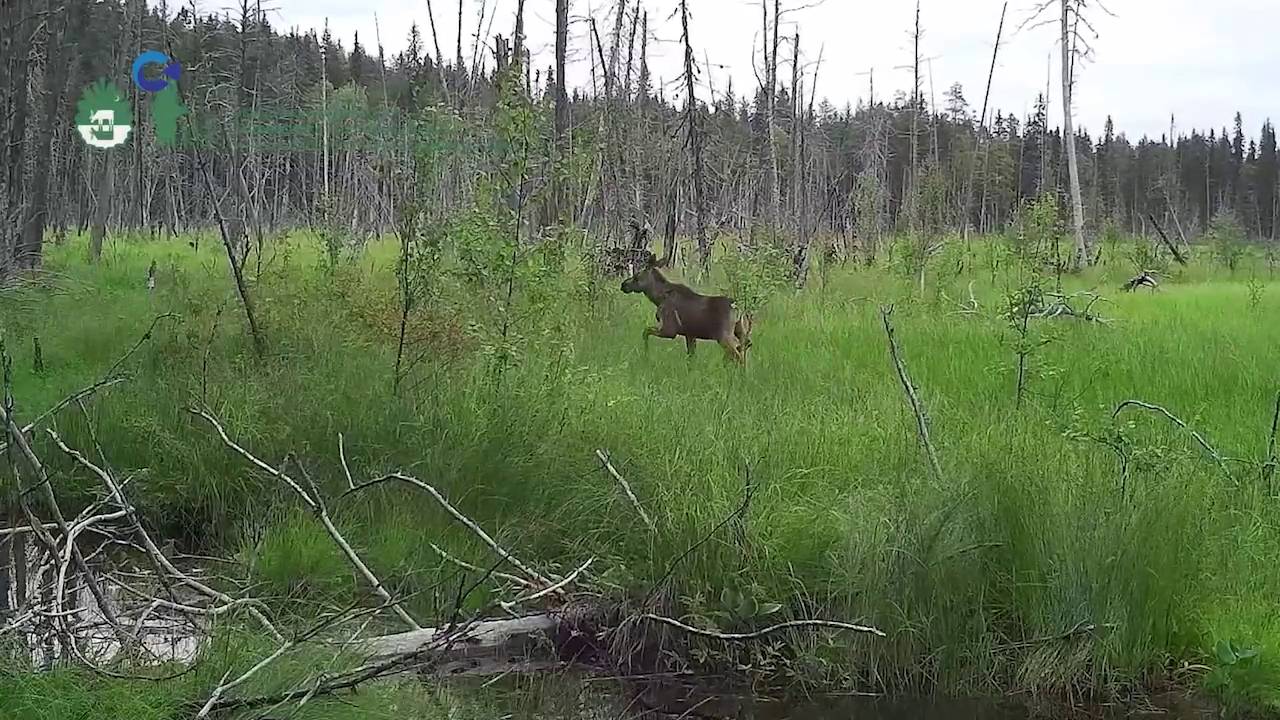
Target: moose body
681, 311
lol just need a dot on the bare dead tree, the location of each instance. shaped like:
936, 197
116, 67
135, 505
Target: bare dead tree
980, 140
30, 251
1069, 139
694, 142
770, 94
912, 199
1072, 23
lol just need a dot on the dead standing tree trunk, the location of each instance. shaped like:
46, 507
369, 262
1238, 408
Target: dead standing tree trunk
30, 245
1069, 139
19, 31
694, 138
226, 230
770, 45
981, 140
563, 144
101, 207
1070, 19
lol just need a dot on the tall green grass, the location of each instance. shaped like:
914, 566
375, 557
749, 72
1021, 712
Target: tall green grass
1029, 565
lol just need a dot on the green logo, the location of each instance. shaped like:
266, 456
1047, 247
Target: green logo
103, 116
165, 110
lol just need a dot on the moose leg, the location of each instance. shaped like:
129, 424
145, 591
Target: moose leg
668, 326
690, 342
742, 332
730, 344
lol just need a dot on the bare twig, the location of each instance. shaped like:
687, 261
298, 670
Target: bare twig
1217, 457
626, 487
922, 419
342, 455
761, 633
322, 512
468, 566
547, 591
145, 337
1269, 467
74, 397
278, 474
470, 525
158, 559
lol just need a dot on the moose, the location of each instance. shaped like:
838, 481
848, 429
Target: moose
681, 311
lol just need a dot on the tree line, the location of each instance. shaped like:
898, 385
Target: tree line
769, 165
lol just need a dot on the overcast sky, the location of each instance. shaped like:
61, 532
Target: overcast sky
1199, 60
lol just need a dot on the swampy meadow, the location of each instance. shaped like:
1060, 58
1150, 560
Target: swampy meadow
1067, 546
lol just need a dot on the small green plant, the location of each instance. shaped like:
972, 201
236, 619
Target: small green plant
1227, 238
1146, 257
755, 273
1238, 676
1256, 290
327, 232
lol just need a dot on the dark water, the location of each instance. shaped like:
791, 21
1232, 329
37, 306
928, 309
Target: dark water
598, 699
964, 709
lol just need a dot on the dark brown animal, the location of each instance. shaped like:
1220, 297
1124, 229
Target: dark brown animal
681, 311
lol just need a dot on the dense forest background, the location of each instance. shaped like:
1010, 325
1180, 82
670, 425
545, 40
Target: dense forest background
366, 132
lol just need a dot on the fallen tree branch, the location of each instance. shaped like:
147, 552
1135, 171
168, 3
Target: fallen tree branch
43, 484
322, 513
1143, 279
273, 472
1165, 239
1061, 307
760, 633
1269, 467
467, 522
315, 501
1217, 457
626, 488
922, 419
224, 686
475, 568
478, 646
510, 606
159, 561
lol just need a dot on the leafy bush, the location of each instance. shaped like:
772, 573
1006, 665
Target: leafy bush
1227, 238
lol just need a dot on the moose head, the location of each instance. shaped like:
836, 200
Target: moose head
646, 278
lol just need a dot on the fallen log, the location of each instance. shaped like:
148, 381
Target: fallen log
494, 641
1165, 239
1142, 279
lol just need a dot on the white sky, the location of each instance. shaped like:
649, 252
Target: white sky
1199, 60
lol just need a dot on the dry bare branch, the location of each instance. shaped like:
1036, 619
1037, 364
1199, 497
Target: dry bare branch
468, 566
917, 409
322, 513
760, 633
466, 521
278, 474
626, 488
158, 559
510, 606
1217, 457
